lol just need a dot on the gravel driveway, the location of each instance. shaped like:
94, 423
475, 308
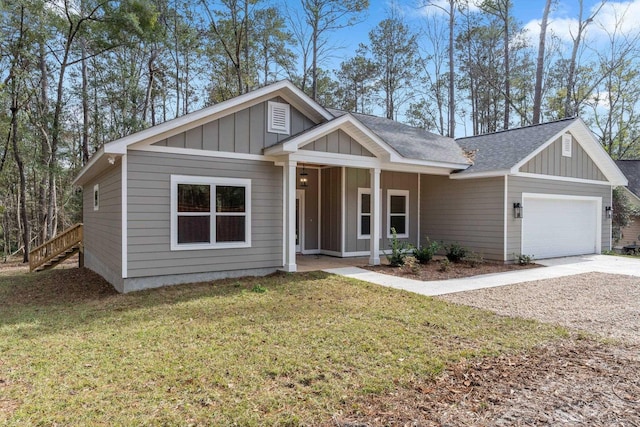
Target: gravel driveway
604, 304
571, 382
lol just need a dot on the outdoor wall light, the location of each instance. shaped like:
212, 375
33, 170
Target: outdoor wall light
608, 211
303, 177
517, 210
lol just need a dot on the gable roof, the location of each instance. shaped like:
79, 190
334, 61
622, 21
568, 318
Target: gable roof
504, 152
387, 139
631, 169
287, 90
411, 142
501, 151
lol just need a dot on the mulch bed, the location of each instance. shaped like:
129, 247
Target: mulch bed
433, 270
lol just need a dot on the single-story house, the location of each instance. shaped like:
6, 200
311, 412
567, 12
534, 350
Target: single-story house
241, 187
630, 235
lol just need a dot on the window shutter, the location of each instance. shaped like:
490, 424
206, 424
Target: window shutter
279, 118
566, 144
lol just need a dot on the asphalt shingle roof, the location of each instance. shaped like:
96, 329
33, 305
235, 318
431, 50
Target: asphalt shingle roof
631, 169
503, 150
410, 142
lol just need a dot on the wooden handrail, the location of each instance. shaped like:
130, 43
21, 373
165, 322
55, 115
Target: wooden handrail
54, 247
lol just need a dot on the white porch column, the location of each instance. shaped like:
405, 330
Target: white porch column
290, 216
376, 209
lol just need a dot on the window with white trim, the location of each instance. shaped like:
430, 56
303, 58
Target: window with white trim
364, 213
398, 212
210, 213
96, 197
279, 117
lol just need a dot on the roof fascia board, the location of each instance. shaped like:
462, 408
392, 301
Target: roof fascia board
377, 146
486, 174
539, 150
561, 178
589, 144
600, 157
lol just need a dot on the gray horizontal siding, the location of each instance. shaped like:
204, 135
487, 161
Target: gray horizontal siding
518, 185
149, 216
103, 228
550, 161
469, 212
242, 132
338, 142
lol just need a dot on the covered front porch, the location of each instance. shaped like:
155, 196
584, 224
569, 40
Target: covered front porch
345, 189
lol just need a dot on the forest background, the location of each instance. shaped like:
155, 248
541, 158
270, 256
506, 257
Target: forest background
76, 74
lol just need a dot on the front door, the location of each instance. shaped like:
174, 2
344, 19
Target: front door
299, 220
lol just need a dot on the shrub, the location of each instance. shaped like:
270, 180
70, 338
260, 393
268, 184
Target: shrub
455, 252
398, 250
425, 253
524, 259
445, 265
473, 259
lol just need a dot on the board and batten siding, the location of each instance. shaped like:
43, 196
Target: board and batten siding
149, 215
518, 185
468, 212
338, 142
242, 132
331, 206
361, 178
102, 227
550, 161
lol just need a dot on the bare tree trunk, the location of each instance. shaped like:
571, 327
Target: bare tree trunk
85, 103
507, 67
537, 96
452, 101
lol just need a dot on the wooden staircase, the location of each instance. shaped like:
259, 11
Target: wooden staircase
56, 250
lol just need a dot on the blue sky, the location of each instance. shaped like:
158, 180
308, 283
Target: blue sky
528, 12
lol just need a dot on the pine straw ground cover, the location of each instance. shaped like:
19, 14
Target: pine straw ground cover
288, 349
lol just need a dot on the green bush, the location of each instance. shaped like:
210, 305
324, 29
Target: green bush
398, 250
524, 259
473, 260
425, 253
455, 252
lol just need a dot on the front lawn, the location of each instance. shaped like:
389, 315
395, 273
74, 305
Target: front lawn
284, 350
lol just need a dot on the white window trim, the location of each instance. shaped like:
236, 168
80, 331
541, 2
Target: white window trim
186, 179
96, 197
284, 130
362, 191
404, 193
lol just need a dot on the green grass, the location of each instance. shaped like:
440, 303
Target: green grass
284, 350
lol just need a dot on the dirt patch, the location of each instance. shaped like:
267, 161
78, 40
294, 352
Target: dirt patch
571, 382
574, 382
434, 269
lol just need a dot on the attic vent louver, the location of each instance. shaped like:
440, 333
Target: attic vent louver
279, 118
566, 144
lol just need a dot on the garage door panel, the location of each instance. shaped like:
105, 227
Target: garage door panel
553, 227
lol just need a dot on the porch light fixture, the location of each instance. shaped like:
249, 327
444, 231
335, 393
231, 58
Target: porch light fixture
608, 211
303, 177
517, 210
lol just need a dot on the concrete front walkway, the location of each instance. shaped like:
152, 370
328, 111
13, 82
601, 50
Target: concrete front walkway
557, 267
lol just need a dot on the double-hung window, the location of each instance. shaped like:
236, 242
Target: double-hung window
210, 213
398, 213
364, 213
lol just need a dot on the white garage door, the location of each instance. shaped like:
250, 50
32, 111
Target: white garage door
555, 226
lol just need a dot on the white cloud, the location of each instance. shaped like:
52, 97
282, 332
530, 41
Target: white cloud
441, 7
623, 15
